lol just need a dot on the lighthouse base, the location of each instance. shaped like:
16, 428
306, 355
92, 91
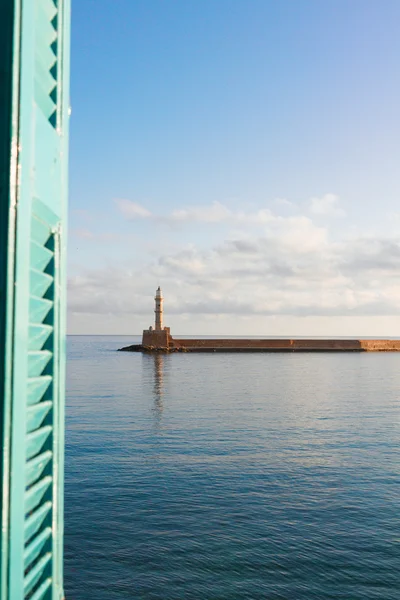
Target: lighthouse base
153, 338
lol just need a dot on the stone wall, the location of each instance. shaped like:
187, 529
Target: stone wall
295, 345
380, 345
156, 339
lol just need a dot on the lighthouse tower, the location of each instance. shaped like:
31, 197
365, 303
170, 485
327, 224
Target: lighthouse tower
157, 337
159, 299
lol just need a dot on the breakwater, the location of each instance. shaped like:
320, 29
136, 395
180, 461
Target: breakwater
269, 345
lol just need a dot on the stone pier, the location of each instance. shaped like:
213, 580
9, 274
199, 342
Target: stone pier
159, 339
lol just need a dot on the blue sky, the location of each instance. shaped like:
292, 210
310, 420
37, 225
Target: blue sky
243, 154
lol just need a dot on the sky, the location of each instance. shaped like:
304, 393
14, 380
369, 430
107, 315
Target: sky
242, 154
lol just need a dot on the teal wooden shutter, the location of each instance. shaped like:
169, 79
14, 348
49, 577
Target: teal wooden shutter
33, 204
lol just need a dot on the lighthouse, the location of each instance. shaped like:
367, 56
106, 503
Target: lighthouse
157, 337
159, 309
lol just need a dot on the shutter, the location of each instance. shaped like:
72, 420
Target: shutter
34, 320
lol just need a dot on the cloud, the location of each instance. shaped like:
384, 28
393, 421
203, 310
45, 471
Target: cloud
82, 234
326, 206
283, 203
132, 210
277, 273
87, 234
372, 256
213, 213
265, 265
82, 214
218, 213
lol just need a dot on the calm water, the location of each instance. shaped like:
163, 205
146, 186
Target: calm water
213, 477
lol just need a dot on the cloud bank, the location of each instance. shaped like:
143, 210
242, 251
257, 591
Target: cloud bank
266, 265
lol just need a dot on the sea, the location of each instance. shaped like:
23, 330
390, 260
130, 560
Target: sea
231, 476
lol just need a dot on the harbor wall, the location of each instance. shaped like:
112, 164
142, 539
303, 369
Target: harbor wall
380, 345
288, 345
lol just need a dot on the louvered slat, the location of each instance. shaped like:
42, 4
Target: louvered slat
35, 494
36, 546
46, 10
45, 58
40, 256
40, 231
38, 334
35, 467
35, 440
36, 414
37, 361
39, 308
44, 79
42, 589
34, 522
44, 101
35, 573
37, 387
44, 54
39, 282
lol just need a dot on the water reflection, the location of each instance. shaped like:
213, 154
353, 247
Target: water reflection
158, 377
158, 385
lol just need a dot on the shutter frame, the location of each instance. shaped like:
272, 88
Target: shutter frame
33, 319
